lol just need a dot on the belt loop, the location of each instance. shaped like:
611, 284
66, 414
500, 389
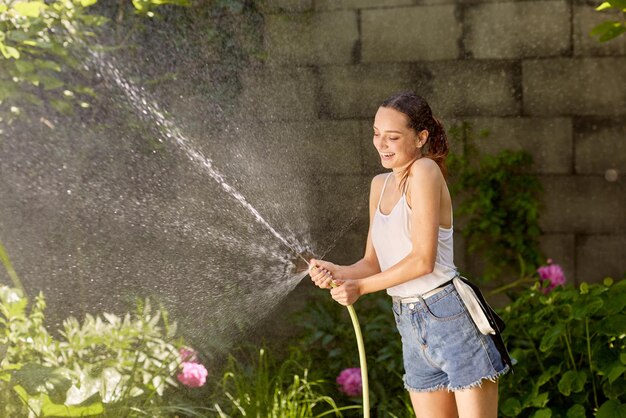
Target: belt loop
422, 301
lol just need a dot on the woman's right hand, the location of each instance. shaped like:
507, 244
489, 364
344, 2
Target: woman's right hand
323, 272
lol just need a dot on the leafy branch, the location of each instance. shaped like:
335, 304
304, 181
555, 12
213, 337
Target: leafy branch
38, 41
611, 29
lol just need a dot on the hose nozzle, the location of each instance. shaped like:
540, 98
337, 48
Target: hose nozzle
301, 262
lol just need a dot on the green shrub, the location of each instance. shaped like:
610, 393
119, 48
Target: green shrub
570, 351
112, 367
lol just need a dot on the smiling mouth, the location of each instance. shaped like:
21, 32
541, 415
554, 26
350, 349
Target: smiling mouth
388, 154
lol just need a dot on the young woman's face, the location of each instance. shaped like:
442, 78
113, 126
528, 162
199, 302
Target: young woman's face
395, 142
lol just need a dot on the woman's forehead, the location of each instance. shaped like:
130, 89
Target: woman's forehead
388, 119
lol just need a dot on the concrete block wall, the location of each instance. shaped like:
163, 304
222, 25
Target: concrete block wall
525, 70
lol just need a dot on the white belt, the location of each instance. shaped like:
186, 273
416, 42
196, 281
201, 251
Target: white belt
422, 296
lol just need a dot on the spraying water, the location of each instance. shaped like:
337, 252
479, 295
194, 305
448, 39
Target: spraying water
152, 111
100, 222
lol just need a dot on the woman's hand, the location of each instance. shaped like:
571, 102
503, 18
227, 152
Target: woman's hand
346, 292
323, 273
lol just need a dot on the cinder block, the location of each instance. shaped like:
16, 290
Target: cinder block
517, 29
297, 170
311, 38
427, 33
473, 87
548, 140
334, 205
350, 247
600, 144
583, 205
600, 256
585, 19
359, 4
561, 249
356, 91
371, 159
279, 93
280, 6
581, 86
451, 87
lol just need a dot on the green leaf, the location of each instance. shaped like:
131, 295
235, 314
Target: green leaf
548, 374
30, 8
614, 370
551, 337
576, 411
47, 65
587, 307
572, 381
614, 302
612, 409
87, 3
51, 409
9, 51
584, 288
24, 66
511, 407
613, 325
542, 413
620, 4
35, 378
606, 31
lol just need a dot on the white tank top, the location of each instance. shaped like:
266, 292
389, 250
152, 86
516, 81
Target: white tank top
391, 236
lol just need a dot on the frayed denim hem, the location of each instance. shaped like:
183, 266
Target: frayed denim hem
479, 382
473, 385
433, 389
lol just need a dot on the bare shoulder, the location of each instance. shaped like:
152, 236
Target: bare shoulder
425, 168
379, 179
377, 184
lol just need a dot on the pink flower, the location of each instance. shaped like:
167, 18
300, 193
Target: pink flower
553, 273
349, 381
188, 354
193, 375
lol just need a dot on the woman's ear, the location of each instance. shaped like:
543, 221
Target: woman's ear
422, 137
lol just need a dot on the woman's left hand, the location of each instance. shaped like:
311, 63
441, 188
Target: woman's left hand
347, 291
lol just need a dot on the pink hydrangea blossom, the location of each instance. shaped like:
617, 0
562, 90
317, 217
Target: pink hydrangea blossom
188, 354
553, 273
193, 374
349, 381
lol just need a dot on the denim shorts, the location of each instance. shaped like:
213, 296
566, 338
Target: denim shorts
442, 347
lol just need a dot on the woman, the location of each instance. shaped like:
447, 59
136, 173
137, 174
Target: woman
451, 369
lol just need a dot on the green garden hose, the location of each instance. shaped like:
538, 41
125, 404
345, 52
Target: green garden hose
362, 359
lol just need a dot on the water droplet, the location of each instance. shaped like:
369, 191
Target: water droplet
611, 175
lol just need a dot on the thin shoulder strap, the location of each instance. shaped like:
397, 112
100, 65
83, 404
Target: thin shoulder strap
383, 190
